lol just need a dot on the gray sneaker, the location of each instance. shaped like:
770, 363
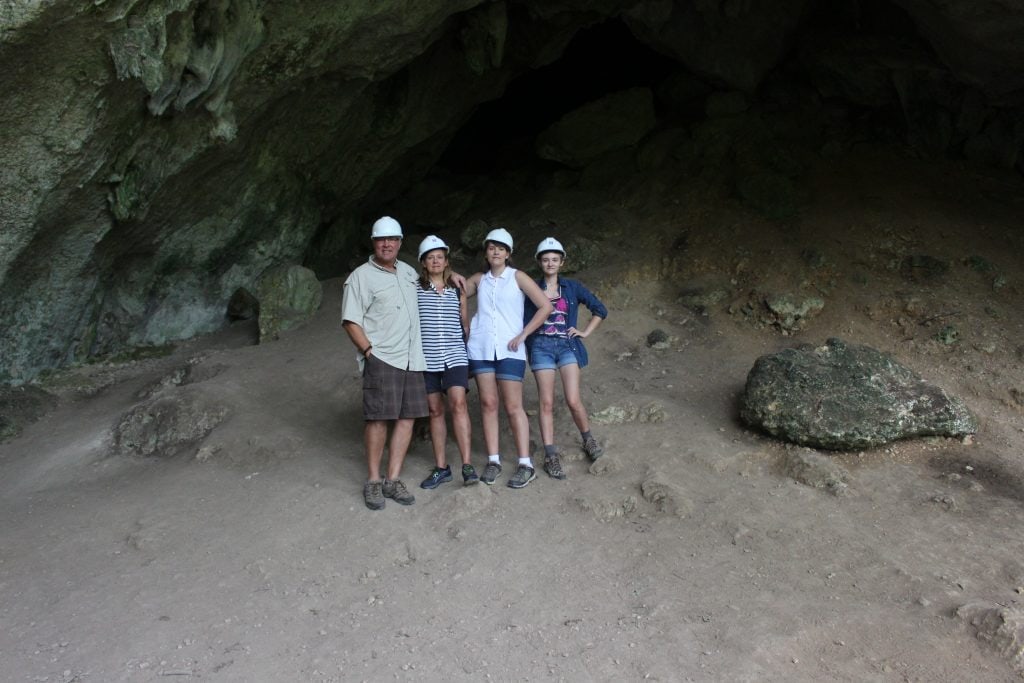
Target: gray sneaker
523, 476
553, 466
593, 449
396, 491
491, 473
373, 495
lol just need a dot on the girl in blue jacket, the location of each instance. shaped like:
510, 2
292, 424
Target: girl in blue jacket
558, 345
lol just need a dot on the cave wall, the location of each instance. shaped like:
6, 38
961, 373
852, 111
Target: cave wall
157, 155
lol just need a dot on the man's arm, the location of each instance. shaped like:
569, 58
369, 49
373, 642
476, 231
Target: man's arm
358, 336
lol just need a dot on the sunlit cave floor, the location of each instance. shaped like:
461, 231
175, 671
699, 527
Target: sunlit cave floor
685, 553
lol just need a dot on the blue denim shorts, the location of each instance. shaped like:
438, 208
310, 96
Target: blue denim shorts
548, 353
507, 368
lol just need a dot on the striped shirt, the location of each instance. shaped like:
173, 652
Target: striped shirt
441, 328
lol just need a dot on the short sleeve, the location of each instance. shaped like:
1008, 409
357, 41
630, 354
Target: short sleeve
353, 307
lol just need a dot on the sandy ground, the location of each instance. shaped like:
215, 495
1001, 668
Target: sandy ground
686, 553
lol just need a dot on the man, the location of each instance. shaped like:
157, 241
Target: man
380, 314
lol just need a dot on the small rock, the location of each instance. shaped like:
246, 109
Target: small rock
658, 338
1000, 627
923, 268
948, 335
815, 470
790, 312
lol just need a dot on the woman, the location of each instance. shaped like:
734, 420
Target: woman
497, 353
558, 344
443, 327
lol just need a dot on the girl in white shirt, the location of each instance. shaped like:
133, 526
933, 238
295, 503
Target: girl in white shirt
497, 352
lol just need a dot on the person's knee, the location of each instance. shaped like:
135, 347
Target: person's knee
514, 409
436, 411
458, 405
575, 405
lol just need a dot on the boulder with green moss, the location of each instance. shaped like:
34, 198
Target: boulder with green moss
843, 396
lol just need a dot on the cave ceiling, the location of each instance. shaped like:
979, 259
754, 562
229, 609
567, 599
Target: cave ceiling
159, 155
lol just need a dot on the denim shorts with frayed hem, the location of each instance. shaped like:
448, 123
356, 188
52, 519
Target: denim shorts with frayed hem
549, 352
511, 369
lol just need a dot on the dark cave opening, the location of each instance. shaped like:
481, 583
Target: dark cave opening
872, 24
600, 59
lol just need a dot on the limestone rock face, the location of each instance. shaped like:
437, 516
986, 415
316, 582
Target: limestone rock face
157, 156
841, 396
288, 296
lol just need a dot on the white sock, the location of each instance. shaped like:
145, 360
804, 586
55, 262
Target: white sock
496, 458
526, 461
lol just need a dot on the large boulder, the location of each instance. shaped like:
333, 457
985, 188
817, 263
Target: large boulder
842, 396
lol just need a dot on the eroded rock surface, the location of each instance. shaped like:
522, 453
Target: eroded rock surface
288, 296
999, 626
165, 425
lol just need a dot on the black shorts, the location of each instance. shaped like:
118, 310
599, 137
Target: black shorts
390, 393
441, 382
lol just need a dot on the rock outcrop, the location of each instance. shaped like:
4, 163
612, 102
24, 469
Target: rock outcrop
167, 424
289, 296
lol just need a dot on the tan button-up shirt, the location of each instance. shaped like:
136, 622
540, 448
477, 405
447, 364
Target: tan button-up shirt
384, 304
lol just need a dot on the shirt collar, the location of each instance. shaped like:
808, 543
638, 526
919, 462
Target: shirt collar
504, 274
382, 268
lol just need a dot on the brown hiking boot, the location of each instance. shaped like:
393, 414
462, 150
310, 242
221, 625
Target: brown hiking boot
553, 466
593, 449
373, 495
396, 491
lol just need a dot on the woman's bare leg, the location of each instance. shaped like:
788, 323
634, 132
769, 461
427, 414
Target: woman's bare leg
487, 385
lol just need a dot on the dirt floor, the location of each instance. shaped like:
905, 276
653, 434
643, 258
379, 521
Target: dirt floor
687, 553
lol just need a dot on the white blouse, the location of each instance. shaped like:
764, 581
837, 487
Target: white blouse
498, 318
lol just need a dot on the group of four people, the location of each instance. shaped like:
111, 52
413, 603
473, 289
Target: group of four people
416, 347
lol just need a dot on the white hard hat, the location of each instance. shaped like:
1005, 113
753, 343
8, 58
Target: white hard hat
501, 236
430, 243
549, 244
386, 226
